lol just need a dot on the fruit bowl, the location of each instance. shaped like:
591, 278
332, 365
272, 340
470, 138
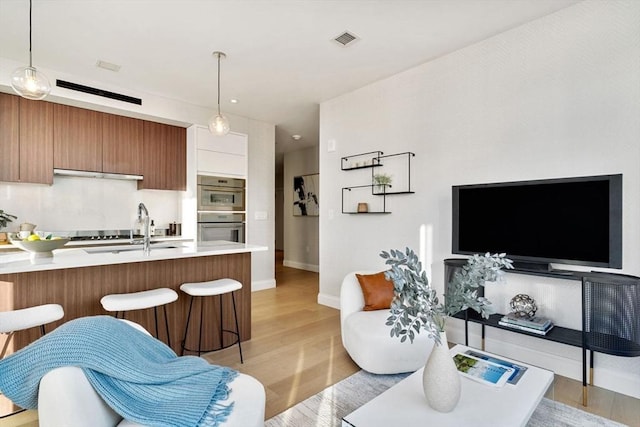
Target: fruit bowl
38, 248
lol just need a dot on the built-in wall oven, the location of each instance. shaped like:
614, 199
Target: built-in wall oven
221, 226
220, 194
221, 209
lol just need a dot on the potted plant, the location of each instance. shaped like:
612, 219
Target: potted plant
5, 218
381, 181
416, 307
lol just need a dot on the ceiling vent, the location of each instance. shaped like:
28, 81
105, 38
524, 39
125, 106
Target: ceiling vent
346, 38
98, 92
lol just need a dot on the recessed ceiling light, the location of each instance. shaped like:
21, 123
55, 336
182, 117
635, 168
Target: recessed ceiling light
108, 66
233, 101
296, 137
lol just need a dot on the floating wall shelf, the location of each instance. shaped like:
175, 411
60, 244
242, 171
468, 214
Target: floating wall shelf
355, 198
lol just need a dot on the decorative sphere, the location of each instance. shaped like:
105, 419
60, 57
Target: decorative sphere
523, 305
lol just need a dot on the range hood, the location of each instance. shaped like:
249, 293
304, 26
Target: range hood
88, 174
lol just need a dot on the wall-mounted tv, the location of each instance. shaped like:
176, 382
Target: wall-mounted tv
576, 221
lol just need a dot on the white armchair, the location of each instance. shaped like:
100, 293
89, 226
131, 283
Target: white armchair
366, 337
66, 398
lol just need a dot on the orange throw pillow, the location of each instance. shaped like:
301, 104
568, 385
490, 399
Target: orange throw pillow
377, 291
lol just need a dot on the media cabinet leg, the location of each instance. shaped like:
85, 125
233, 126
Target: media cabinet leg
482, 337
466, 330
591, 367
585, 398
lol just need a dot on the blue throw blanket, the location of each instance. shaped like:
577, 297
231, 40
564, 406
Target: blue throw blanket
138, 376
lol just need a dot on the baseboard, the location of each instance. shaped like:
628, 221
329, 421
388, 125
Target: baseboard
263, 284
562, 359
329, 301
301, 266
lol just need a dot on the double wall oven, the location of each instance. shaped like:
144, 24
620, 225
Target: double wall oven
221, 209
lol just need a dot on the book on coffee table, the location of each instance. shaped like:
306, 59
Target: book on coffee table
518, 370
482, 370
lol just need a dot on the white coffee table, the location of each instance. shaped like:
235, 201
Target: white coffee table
404, 404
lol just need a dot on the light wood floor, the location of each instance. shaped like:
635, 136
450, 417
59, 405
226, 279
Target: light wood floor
296, 351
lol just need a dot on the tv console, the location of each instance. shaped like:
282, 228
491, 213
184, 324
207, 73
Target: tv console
600, 293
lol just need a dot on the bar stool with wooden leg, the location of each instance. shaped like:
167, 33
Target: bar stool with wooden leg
218, 287
153, 298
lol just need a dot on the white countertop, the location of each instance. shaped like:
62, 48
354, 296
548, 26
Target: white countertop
21, 262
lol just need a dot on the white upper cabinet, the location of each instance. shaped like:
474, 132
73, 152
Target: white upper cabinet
221, 155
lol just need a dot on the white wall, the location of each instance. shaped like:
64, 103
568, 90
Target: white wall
556, 97
261, 184
300, 232
88, 203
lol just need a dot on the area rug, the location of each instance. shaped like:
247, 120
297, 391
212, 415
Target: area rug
327, 408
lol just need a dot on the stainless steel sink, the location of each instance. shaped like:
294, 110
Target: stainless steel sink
116, 249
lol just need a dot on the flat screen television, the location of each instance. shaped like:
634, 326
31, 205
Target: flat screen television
575, 221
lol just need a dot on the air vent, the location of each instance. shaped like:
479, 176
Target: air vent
98, 92
346, 38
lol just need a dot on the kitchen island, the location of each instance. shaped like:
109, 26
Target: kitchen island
77, 278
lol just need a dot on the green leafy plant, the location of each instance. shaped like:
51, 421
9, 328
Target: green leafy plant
382, 179
6, 218
416, 306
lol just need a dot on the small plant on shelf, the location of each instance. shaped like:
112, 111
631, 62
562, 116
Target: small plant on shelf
381, 181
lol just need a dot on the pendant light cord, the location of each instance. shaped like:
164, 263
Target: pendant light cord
30, 54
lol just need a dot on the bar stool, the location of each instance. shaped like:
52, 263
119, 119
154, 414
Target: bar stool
153, 298
218, 287
25, 318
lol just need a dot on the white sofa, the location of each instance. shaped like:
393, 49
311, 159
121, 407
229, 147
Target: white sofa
366, 337
67, 399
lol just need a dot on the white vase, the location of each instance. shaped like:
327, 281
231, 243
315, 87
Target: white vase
440, 379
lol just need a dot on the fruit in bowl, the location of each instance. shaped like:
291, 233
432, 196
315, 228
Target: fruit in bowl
37, 246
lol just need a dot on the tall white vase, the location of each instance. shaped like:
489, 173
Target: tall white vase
440, 379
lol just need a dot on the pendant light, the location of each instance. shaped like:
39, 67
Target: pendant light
219, 124
27, 81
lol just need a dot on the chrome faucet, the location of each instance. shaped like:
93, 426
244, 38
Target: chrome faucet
146, 240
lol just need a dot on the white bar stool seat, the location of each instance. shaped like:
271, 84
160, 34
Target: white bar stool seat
25, 318
218, 287
153, 298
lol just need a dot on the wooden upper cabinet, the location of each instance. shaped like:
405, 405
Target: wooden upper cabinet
36, 141
176, 161
165, 157
77, 139
9, 138
122, 144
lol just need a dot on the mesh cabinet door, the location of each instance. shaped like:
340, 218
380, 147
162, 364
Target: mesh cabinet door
611, 313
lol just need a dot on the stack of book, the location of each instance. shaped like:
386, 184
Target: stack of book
536, 325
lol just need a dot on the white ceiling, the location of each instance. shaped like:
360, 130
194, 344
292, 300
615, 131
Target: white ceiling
281, 59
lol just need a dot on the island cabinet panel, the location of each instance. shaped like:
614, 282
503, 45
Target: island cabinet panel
77, 139
122, 144
9, 138
165, 157
79, 290
36, 141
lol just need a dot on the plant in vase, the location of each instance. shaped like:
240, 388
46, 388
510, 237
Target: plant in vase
382, 181
416, 307
5, 219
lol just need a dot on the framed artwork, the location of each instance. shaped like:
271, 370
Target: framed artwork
305, 195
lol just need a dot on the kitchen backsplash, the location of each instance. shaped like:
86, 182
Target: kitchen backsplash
73, 203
